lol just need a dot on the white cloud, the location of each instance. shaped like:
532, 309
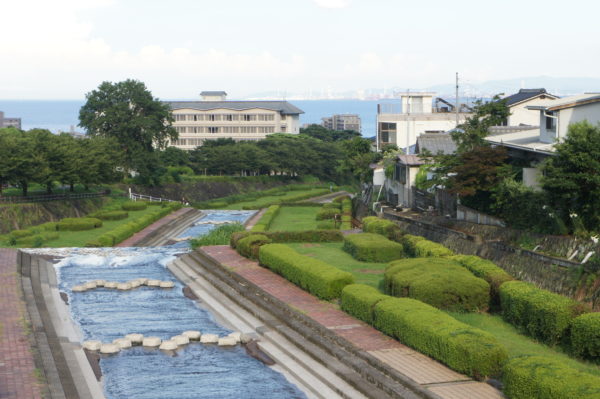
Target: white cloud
332, 3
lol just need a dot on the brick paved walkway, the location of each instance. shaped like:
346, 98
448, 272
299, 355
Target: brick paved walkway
17, 378
445, 382
137, 237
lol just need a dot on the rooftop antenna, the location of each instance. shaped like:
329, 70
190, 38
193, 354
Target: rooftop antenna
456, 107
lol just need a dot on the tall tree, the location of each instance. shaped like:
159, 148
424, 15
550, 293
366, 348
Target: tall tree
127, 112
572, 177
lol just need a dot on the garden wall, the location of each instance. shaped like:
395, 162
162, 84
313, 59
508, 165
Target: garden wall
554, 274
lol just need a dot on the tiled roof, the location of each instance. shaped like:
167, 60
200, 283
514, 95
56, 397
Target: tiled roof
436, 143
525, 94
411, 160
213, 93
281, 106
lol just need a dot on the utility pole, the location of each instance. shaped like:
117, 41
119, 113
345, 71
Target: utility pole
407, 121
456, 107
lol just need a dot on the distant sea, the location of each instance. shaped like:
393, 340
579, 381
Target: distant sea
61, 115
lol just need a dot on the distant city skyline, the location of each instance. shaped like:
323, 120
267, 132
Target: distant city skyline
65, 48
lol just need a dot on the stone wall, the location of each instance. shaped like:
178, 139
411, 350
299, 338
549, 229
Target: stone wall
554, 274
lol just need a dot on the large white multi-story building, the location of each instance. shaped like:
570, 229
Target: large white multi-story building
418, 113
9, 122
214, 117
342, 122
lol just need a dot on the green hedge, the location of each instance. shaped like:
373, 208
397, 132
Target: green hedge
429, 330
315, 276
134, 206
110, 215
293, 198
327, 213
409, 242
387, 228
488, 271
370, 247
250, 245
16, 234
359, 301
542, 314
425, 248
585, 336
126, 230
326, 224
347, 207
440, 282
266, 219
293, 236
537, 377
37, 240
332, 205
78, 224
341, 198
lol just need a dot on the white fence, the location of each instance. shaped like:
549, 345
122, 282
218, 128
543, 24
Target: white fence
142, 197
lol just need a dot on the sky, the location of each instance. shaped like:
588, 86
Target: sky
62, 49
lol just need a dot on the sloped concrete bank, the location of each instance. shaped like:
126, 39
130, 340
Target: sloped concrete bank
365, 373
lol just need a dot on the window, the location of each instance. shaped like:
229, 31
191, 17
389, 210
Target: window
385, 137
400, 173
213, 129
550, 121
385, 128
249, 117
266, 117
248, 129
283, 128
179, 117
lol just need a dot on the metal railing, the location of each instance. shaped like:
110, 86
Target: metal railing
142, 197
51, 197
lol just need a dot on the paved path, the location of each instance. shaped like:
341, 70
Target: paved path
438, 378
137, 237
17, 367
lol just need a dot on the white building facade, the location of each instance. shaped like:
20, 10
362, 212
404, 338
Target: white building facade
214, 117
418, 113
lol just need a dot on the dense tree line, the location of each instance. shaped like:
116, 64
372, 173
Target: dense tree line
38, 156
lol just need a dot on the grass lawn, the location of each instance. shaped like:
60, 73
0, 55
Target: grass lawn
295, 218
79, 238
369, 273
274, 199
518, 344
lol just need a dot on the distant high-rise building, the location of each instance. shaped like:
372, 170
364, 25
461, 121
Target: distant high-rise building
342, 122
9, 122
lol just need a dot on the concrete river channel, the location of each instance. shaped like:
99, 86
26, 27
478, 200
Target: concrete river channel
194, 370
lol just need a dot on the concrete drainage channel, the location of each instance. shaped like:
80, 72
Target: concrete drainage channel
320, 368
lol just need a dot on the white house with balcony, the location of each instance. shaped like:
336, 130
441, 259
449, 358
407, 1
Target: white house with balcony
535, 143
417, 113
216, 117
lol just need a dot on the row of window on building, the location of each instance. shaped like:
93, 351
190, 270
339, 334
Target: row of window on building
227, 129
225, 117
199, 142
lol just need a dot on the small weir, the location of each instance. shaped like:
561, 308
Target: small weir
194, 370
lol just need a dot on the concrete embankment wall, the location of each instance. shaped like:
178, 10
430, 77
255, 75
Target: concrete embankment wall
553, 274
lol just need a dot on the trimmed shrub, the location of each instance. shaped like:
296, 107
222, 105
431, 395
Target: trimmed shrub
527, 377
134, 206
21, 233
359, 301
442, 283
294, 236
426, 248
267, 218
542, 314
315, 276
37, 240
326, 225
78, 224
488, 271
48, 226
409, 242
347, 206
327, 213
429, 330
585, 336
341, 198
387, 228
370, 247
111, 215
332, 205
249, 246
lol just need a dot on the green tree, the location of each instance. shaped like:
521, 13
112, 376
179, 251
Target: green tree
324, 134
357, 159
572, 176
139, 122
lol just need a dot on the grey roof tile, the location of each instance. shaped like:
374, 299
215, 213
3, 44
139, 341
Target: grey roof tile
281, 106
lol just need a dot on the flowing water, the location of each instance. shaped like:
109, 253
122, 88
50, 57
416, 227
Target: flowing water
193, 371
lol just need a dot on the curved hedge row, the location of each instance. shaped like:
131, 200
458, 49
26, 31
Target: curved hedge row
369, 247
36, 240
134, 206
266, 219
293, 236
359, 300
543, 314
327, 213
486, 270
110, 215
313, 275
387, 228
78, 224
432, 332
419, 247
250, 245
126, 230
440, 282
527, 377
585, 336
